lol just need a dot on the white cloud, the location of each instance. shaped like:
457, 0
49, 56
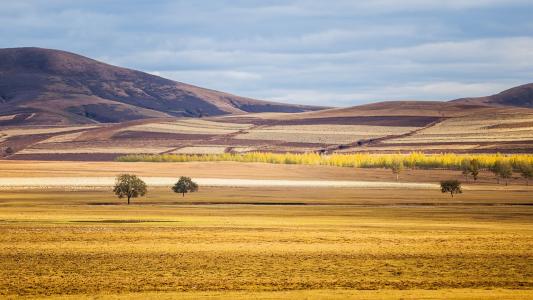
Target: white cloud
340, 52
423, 72
393, 6
209, 75
410, 91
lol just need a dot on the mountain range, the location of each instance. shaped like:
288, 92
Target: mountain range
43, 86
52, 87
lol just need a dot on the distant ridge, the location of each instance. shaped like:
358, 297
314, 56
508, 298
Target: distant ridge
520, 96
44, 86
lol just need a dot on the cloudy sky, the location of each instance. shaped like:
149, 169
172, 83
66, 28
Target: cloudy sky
341, 53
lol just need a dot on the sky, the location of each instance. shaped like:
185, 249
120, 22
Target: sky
333, 53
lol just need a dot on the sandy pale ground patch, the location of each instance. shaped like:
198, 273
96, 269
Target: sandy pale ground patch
90, 182
89, 150
66, 182
201, 150
42, 130
44, 182
7, 118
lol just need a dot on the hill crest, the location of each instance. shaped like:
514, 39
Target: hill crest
44, 86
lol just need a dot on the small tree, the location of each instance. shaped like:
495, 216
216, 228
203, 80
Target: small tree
505, 171
495, 169
526, 171
396, 168
498, 168
474, 167
465, 168
129, 186
185, 185
451, 186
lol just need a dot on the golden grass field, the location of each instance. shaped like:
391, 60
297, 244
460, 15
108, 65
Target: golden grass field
229, 169
263, 242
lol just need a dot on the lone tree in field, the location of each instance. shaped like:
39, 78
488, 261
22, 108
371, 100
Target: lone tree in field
526, 171
396, 168
129, 186
451, 186
185, 185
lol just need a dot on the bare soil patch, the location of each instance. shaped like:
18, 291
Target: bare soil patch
160, 135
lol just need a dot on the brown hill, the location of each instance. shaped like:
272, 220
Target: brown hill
388, 127
43, 86
391, 113
517, 100
520, 96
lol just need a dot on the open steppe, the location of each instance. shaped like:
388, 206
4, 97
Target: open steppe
236, 170
300, 227
242, 243
382, 240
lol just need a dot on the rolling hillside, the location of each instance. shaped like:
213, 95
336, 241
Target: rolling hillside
458, 128
51, 87
520, 96
56, 105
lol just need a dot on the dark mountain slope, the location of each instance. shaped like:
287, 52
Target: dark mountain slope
57, 87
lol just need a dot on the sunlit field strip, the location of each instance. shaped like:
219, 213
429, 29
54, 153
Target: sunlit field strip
361, 160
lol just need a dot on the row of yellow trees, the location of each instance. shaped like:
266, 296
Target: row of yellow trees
360, 160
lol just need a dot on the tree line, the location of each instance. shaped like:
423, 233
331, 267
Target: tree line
501, 165
502, 169
416, 160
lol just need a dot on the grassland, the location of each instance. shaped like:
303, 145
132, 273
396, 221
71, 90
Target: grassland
236, 170
267, 243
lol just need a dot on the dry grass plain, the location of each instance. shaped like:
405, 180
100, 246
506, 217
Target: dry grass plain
236, 170
243, 243
263, 242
